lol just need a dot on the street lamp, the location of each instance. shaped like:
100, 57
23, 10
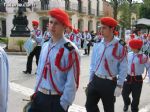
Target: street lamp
20, 22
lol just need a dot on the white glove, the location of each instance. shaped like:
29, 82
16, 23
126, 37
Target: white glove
118, 91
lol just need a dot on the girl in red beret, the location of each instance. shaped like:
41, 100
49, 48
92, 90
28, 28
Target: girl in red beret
137, 62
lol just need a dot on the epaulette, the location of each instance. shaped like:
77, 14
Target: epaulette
122, 42
69, 46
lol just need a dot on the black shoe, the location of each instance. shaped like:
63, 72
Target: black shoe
26, 72
125, 108
85, 54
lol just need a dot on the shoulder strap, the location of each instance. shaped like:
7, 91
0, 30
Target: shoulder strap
122, 42
69, 46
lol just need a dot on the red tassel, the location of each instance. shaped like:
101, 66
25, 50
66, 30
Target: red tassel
59, 56
133, 71
107, 68
71, 38
114, 53
141, 60
54, 85
58, 60
45, 72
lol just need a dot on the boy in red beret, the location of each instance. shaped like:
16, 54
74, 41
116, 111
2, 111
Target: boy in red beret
137, 62
58, 70
36, 38
108, 69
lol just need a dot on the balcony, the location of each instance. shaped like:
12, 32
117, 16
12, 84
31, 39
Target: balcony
100, 14
72, 8
82, 11
42, 8
91, 13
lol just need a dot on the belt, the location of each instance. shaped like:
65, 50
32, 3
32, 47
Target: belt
134, 75
106, 77
47, 92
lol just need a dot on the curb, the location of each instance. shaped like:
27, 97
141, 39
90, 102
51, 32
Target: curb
16, 53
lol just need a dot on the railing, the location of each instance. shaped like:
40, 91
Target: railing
83, 9
39, 6
100, 13
72, 7
93, 11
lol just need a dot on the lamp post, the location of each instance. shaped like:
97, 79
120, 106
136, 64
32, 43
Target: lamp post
20, 22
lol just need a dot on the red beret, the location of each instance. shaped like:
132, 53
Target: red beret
75, 31
136, 43
60, 15
108, 21
116, 33
35, 22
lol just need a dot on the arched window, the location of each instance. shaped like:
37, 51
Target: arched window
80, 24
90, 25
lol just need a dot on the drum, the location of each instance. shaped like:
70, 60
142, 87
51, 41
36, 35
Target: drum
29, 45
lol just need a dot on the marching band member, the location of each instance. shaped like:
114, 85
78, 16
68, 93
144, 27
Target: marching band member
78, 37
36, 35
108, 69
87, 41
69, 34
137, 62
58, 70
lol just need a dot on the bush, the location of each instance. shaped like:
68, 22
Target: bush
20, 43
4, 40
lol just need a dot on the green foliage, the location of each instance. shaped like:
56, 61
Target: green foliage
4, 40
145, 9
126, 9
20, 43
124, 17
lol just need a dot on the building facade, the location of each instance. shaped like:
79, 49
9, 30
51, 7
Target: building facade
84, 14
107, 8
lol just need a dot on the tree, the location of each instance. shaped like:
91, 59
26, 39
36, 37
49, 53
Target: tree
145, 9
124, 16
115, 4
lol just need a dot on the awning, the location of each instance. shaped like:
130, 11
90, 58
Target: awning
143, 21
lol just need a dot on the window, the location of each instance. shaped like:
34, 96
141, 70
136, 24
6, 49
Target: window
89, 7
98, 7
79, 6
67, 4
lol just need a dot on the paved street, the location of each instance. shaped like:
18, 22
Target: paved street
21, 87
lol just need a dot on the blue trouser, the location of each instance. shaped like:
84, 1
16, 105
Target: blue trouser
46, 103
